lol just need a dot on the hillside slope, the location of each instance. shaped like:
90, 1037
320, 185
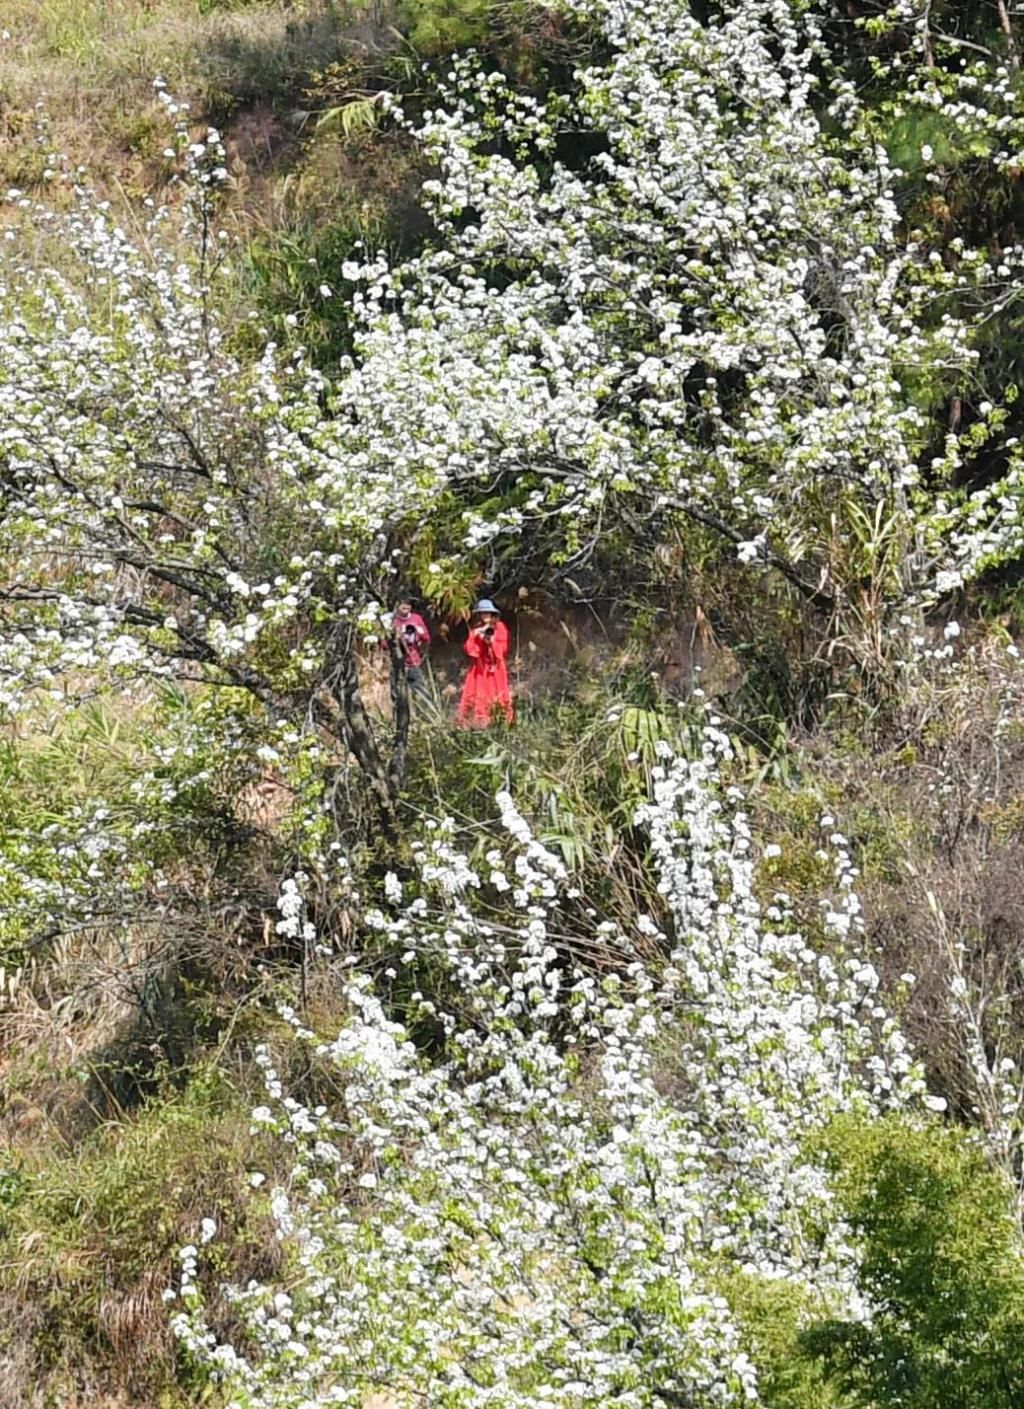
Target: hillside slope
660, 1048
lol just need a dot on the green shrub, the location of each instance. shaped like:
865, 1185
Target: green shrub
940, 1269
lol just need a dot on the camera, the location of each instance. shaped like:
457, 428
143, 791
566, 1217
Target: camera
488, 632
409, 632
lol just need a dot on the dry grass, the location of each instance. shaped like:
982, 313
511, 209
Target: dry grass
86, 68
89, 1245
931, 801
77, 79
75, 1004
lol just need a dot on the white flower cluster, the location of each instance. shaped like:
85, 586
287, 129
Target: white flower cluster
545, 1215
712, 317
708, 318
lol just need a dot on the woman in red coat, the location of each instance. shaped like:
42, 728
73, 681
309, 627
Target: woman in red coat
485, 694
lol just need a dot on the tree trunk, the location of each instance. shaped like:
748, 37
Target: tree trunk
1006, 25
400, 704
357, 734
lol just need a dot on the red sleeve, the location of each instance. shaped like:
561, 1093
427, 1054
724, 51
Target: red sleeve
473, 646
499, 641
421, 628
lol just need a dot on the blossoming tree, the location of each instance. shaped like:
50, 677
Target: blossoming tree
550, 1213
713, 321
678, 298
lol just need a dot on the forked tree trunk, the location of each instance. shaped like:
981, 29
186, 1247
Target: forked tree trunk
342, 682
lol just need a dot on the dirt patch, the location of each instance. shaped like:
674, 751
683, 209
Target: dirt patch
556, 649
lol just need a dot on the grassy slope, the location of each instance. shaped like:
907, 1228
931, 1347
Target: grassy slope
90, 67
95, 1192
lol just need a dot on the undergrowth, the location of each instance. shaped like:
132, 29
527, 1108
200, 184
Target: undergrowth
88, 1237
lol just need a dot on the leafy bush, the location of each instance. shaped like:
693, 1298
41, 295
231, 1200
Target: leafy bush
939, 1269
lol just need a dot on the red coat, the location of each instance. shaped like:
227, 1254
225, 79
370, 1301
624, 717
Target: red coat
485, 693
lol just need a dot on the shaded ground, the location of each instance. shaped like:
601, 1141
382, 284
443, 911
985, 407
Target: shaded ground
557, 649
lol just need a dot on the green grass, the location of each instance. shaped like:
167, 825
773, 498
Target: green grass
91, 67
89, 1239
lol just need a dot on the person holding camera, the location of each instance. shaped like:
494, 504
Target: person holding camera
413, 638
485, 693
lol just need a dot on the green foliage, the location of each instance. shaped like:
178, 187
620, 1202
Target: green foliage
288, 266
145, 798
922, 127
775, 1313
443, 25
578, 767
940, 1269
88, 1238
